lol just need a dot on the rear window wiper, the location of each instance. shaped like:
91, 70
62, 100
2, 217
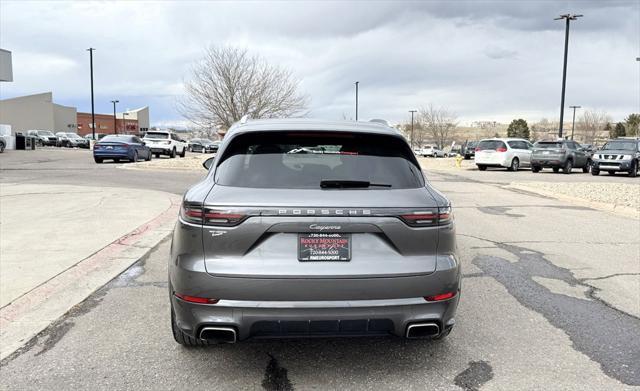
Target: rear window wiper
340, 184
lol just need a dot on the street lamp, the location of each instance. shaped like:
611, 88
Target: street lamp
412, 111
356, 83
568, 18
573, 123
115, 129
124, 123
93, 114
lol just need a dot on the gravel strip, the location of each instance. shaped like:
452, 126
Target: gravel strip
618, 194
189, 162
448, 163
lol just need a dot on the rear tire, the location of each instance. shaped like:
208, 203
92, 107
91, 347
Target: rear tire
611, 172
135, 157
482, 167
182, 338
97, 160
148, 159
172, 154
184, 152
595, 172
587, 167
568, 166
157, 156
515, 164
536, 169
556, 169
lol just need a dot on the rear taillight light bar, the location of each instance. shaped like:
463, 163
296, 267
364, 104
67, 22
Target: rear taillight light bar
230, 217
211, 216
436, 216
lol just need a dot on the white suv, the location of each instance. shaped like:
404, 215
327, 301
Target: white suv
511, 153
165, 143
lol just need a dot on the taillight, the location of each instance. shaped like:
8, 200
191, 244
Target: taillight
223, 217
501, 149
191, 214
207, 216
425, 218
440, 297
477, 149
195, 299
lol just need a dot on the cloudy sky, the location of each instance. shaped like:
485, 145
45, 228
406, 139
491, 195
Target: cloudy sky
484, 60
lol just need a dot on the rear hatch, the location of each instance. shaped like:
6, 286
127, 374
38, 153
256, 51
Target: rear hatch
490, 151
543, 149
319, 206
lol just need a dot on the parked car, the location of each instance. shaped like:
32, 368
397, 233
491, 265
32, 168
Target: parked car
511, 153
117, 147
165, 143
431, 151
44, 137
203, 145
71, 140
3, 145
98, 136
295, 244
561, 154
469, 149
619, 155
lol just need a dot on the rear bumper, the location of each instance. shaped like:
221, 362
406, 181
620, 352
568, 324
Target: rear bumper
112, 154
492, 161
551, 162
314, 319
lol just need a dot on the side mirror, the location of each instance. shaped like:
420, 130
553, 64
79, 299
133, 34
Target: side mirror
143, 143
208, 163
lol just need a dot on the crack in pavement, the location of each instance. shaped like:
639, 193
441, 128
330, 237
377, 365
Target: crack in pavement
604, 333
609, 276
475, 376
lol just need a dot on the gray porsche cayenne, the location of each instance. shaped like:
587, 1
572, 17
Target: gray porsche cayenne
308, 228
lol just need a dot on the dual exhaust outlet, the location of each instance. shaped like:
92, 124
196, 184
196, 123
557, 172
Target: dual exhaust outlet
228, 334
422, 330
218, 334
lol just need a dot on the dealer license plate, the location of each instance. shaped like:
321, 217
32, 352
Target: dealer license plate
324, 247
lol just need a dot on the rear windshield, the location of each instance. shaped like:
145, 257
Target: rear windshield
153, 135
303, 160
620, 145
548, 145
490, 144
44, 133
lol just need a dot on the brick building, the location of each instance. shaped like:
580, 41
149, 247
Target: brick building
128, 122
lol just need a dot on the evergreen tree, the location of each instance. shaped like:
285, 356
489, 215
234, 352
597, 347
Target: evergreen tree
518, 128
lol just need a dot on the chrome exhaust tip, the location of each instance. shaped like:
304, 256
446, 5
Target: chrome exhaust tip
218, 334
422, 330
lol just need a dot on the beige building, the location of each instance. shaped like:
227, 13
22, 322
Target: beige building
140, 115
37, 112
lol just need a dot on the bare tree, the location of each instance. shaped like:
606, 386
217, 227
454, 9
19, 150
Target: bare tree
438, 123
229, 83
592, 123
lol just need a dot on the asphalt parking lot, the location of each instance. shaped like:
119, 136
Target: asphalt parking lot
550, 300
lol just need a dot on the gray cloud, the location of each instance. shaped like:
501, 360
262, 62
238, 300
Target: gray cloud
482, 59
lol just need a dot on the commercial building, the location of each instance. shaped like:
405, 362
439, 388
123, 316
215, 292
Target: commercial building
37, 112
128, 122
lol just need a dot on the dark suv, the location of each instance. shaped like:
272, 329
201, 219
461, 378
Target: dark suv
619, 155
313, 228
561, 154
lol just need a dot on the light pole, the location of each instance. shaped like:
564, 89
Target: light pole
573, 123
568, 18
412, 111
93, 114
124, 123
115, 129
357, 99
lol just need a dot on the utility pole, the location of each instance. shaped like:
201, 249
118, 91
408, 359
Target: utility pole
115, 129
573, 123
357, 99
412, 112
568, 18
638, 127
93, 113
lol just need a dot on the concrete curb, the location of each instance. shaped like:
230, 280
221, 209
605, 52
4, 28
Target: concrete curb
619, 210
31, 313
